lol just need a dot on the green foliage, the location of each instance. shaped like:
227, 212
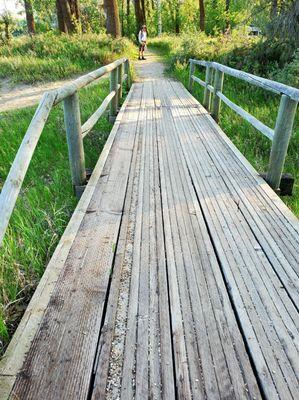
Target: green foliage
51, 56
222, 48
46, 201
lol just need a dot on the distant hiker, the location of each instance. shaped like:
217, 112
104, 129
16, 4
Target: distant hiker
142, 36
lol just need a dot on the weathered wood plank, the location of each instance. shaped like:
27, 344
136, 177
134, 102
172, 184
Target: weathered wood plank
226, 223
60, 361
222, 360
280, 245
104, 360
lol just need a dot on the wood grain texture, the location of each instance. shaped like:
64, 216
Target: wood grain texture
181, 279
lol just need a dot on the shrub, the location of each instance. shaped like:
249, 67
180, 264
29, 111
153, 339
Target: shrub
51, 56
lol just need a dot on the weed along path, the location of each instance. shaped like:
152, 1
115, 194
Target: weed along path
177, 276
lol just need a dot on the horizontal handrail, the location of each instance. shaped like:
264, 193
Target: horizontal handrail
79, 83
90, 123
280, 136
16, 175
273, 86
248, 117
75, 132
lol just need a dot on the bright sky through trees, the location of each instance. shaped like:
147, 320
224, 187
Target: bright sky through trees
11, 5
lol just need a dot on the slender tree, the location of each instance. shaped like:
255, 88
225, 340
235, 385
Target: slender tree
138, 14
29, 17
227, 19
159, 17
68, 15
177, 17
274, 8
60, 18
143, 8
201, 15
112, 18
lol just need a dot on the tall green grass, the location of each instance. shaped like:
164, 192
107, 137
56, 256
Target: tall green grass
263, 105
51, 56
46, 201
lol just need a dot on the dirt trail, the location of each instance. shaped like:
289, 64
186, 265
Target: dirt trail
23, 95
149, 69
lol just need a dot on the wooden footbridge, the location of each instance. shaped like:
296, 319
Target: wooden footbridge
177, 276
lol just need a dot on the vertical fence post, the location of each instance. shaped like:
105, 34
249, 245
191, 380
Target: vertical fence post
72, 122
120, 78
207, 93
114, 101
128, 72
282, 135
218, 85
191, 72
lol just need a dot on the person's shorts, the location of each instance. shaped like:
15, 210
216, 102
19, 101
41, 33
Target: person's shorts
142, 46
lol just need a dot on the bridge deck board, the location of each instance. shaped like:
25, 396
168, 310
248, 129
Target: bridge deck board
182, 279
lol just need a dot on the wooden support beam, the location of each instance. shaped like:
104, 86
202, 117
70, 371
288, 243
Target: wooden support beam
120, 81
272, 86
207, 93
128, 73
218, 85
191, 81
264, 129
90, 123
114, 101
85, 80
282, 135
72, 121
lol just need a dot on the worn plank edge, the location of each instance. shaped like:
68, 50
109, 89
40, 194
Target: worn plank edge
13, 359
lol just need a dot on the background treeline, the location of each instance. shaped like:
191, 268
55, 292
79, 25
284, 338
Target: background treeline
213, 26
124, 17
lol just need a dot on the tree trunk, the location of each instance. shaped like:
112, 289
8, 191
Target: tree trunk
29, 17
61, 22
227, 19
274, 8
112, 18
159, 17
128, 10
138, 14
143, 11
177, 17
201, 15
69, 11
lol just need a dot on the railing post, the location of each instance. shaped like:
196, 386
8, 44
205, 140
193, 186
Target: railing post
191, 72
207, 93
128, 72
218, 85
72, 121
113, 87
120, 78
282, 135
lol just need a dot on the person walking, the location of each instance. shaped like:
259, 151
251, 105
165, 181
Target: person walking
142, 37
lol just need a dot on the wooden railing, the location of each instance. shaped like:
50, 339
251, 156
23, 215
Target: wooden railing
74, 131
280, 135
